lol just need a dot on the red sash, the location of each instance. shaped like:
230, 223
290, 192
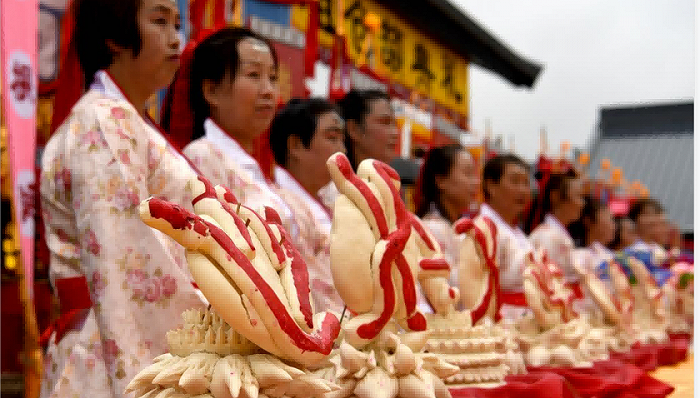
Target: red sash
74, 297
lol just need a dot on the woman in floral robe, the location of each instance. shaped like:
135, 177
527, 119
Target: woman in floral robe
121, 284
232, 99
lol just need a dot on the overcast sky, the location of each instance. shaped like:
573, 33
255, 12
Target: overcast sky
594, 52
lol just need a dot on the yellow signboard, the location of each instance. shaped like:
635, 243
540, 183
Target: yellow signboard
397, 51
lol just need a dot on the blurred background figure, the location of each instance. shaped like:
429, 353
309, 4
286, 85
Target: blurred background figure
370, 127
560, 204
507, 193
625, 234
370, 132
447, 187
303, 135
232, 99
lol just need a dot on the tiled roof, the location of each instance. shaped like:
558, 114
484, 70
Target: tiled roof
663, 162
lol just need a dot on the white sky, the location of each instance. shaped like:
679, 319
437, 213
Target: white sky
594, 53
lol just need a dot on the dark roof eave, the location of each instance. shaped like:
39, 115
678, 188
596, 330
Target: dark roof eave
479, 46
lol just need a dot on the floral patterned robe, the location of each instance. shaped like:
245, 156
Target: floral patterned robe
221, 160
96, 169
314, 242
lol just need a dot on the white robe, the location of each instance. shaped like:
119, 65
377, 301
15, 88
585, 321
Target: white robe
553, 237
511, 255
96, 169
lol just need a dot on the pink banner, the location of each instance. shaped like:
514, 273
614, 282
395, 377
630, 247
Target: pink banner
18, 54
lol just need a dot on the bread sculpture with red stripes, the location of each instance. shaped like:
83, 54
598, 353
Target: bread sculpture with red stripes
616, 302
244, 263
555, 334
379, 251
547, 295
479, 280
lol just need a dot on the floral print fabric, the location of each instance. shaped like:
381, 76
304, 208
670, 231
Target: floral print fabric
96, 169
305, 233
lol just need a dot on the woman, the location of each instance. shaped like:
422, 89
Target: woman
447, 186
370, 132
594, 231
121, 284
625, 234
561, 203
233, 94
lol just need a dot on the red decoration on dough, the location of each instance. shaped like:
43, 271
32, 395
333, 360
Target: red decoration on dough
321, 341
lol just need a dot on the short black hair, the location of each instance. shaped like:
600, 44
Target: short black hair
96, 23
616, 243
496, 166
558, 182
356, 106
439, 162
215, 58
589, 213
642, 205
300, 118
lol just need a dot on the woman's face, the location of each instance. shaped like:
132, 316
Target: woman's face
628, 234
159, 59
603, 229
244, 106
379, 134
461, 185
571, 205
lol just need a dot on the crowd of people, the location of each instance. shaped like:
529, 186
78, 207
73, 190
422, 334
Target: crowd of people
123, 285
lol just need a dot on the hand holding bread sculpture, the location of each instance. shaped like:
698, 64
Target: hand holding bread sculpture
249, 271
379, 250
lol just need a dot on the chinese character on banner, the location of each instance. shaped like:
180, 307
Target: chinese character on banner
392, 46
355, 13
448, 82
325, 16
421, 64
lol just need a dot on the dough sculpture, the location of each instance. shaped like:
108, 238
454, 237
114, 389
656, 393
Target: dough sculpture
479, 282
252, 275
208, 358
379, 254
262, 330
650, 315
370, 211
485, 352
379, 251
633, 304
679, 290
616, 302
555, 334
